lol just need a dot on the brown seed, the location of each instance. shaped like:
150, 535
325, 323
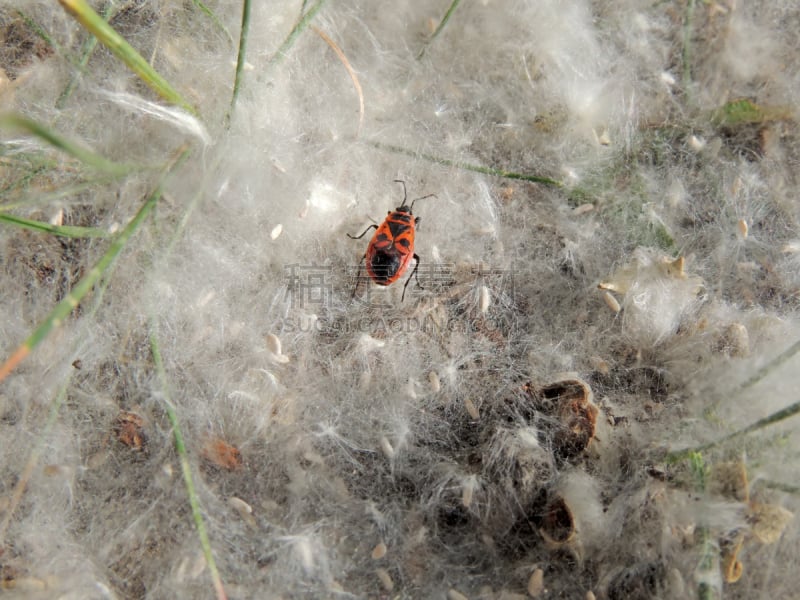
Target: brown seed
221, 454
379, 551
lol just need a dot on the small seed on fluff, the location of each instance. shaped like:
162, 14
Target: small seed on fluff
386, 447
611, 302
696, 143
240, 505
791, 247
433, 379
244, 509
385, 579
276, 231
536, 583
737, 340
583, 209
602, 138
367, 343
486, 299
472, 409
743, 228
274, 346
468, 490
379, 551
453, 594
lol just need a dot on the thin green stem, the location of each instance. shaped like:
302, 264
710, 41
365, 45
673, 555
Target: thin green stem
86, 52
82, 288
775, 417
776, 362
687, 48
240, 60
443, 22
299, 27
90, 159
61, 230
38, 30
466, 166
210, 14
186, 469
107, 35
39, 198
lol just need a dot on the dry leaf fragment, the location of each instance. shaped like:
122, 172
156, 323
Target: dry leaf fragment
767, 521
221, 454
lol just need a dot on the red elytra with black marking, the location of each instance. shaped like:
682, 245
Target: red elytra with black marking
391, 249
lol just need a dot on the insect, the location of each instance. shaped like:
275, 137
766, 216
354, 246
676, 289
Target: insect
391, 249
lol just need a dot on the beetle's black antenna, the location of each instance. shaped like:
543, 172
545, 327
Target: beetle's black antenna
405, 194
420, 198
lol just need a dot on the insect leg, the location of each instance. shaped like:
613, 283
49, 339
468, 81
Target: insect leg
358, 276
413, 273
353, 237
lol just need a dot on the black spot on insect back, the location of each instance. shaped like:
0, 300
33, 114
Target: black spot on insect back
384, 266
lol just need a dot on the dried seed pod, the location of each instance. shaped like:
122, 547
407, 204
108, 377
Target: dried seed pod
558, 524
732, 567
571, 401
129, 429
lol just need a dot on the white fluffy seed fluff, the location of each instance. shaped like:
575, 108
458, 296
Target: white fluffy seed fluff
604, 187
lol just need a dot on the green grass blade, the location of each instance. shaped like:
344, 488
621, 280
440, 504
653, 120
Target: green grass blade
38, 30
746, 112
186, 469
88, 158
60, 230
86, 52
210, 14
107, 35
42, 198
453, 5
686, 55
467, 166
299, 27
103, 266
240, 60
776, 417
